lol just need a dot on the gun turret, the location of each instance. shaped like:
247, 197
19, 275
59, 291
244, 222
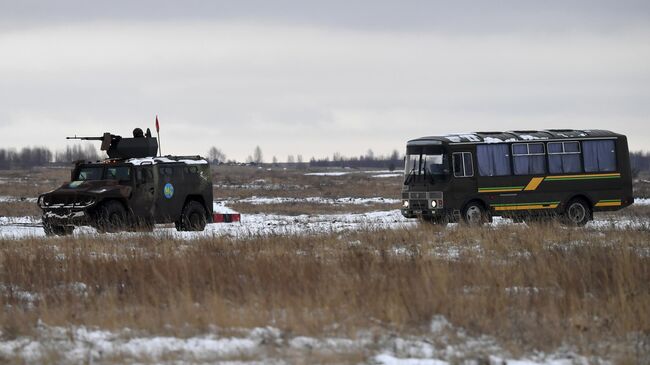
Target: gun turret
118, 147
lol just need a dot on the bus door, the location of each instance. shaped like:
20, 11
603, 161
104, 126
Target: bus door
464, 184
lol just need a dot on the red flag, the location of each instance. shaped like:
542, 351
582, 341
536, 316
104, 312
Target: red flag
157, 125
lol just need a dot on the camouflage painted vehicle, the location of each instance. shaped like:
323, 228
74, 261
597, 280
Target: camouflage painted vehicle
131, 190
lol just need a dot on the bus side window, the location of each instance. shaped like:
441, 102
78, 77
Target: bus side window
463, 165
529, 158
599, 156
564, 157
493, 160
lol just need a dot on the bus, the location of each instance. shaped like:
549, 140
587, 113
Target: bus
521, 175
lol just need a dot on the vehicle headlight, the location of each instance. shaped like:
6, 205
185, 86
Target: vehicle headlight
405, 203
434, 204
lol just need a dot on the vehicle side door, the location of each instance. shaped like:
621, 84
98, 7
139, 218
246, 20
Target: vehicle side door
142, 199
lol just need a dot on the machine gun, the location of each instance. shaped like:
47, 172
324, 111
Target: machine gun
139, 146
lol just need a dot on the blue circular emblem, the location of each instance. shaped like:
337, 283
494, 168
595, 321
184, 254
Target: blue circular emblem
168, 190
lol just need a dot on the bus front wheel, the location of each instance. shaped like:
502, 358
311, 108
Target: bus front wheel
474, 214
577, 213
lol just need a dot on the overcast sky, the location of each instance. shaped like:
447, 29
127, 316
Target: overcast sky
313, 78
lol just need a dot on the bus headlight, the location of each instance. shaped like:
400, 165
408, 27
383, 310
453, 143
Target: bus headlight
405, 203
434, 204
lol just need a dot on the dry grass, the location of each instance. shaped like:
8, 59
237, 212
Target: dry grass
531, 288
312, 209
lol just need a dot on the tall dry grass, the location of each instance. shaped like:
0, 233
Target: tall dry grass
533, 288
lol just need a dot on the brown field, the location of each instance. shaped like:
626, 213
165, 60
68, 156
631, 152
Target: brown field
531, 288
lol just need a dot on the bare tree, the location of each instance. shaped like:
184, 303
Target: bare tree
291, 159
215, 155
275, 161
257, 155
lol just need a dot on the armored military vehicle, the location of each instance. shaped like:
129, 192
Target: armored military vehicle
132, 189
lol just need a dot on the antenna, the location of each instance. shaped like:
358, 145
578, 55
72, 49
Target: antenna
158, 132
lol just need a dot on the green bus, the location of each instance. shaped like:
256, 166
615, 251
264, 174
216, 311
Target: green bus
516, 174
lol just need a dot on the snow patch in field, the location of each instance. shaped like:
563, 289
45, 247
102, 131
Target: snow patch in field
641, 201
326, 173
258, 200
387, 175
12, 199
443, 345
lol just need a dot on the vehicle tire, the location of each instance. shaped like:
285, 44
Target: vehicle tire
193, 217
51, 230
112, 217
577, 213
474, 214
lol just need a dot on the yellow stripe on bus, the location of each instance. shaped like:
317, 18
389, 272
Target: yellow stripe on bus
527, 207
608, 204
534, 183
582, 175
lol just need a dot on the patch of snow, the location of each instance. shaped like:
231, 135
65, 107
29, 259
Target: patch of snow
387, 175
157, 160
218, 207
255, 200
326, 173
492, 140
12, 199
528, 137
641, 201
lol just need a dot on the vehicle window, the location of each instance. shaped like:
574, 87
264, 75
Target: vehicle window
144, 175
167, 171
564, 157
90, 173
600, 156
191, 170
463, 165
120, 173
493, 159
529, 158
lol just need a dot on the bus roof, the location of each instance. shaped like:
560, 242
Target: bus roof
512, 136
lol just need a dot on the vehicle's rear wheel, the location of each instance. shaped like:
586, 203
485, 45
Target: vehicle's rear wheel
193, 217
577, 213
112, 217
474, 214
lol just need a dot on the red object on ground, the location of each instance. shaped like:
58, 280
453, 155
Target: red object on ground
226, 217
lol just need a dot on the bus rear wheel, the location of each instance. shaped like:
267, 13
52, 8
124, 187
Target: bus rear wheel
474, 214
577, 213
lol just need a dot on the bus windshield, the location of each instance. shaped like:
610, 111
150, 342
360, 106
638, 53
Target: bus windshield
425, 165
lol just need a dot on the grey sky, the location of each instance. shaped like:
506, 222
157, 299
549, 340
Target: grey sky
313, 78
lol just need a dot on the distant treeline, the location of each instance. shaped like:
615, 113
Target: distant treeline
42, 156
29, 157
640, 161
370, 160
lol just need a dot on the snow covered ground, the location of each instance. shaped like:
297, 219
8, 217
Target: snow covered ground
277, 224
443, 344
258, 200
250, 225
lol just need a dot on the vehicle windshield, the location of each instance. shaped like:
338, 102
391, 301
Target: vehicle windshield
89, 173
427, 165
120, 173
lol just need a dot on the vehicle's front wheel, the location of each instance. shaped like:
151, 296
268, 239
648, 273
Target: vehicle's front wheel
193, 217
577, 213
474, 214
53, 230
112, 217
